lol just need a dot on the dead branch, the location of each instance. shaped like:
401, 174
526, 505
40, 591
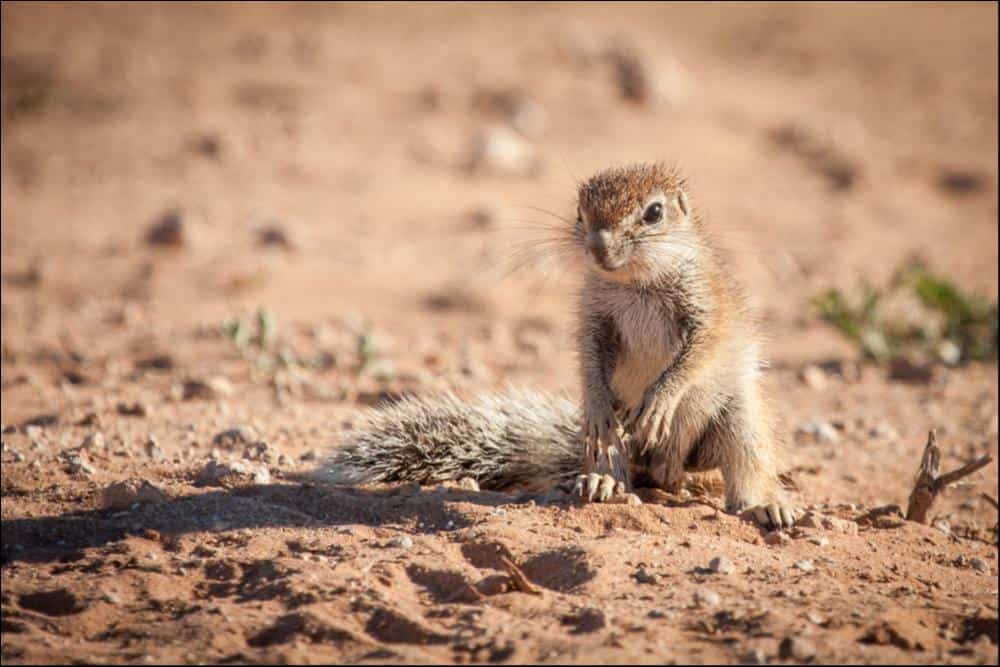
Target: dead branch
521, 582
991, 499
930, 484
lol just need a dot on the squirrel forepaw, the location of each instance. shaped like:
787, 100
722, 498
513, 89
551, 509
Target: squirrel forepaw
601, 432
650, 421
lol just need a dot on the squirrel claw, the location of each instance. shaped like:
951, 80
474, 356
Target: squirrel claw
650, 421
772, 516
597, 488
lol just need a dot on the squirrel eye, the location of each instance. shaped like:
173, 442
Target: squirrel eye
653, 213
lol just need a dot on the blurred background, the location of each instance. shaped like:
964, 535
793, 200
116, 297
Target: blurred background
228, 227
170, 167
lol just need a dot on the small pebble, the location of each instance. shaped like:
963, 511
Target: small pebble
814, 377
153, 449
704, 597
644, 577
93, 442
468, 484
168, 230
825, 432
78, 464
210, 389
883, 432
401, 542
629, 499
216, 473
274, 235
237, 436
980, 565
777, 538
498, 149
796, 648
721, 565
949, 352
133, 410
805, 565
121, 495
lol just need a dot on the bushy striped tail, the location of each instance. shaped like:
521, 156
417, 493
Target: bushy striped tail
517, 438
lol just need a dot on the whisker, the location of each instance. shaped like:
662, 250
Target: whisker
548, 212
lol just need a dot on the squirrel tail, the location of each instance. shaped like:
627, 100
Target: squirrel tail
517, 438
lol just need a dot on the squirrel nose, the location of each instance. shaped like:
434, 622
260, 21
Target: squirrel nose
598, 243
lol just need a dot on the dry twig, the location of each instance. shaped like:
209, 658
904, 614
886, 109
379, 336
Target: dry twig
521, 582
991, 499
929, 483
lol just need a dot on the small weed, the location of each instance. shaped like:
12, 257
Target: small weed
919, 313
366, 347
32, 87
256, 338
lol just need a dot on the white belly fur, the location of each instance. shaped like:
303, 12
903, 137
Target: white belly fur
649, 343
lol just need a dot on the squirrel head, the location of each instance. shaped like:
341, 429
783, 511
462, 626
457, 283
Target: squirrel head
635, 222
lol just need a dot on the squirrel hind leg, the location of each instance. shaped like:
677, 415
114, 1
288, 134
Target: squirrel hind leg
742, 444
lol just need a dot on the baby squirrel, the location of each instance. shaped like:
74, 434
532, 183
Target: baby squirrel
670, 368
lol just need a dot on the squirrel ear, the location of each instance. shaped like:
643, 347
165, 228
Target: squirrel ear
682, 202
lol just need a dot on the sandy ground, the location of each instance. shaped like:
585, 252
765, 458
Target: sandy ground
824, 144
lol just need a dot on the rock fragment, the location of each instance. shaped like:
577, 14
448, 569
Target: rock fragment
814, 377
168, 231
821, 430
797, 649
705, 597
401, 542
500, 150
777, 538
123, 494
643, 576
805, 565
213, 388
239, 436
233, 474
813, 520
721, 565
133, 409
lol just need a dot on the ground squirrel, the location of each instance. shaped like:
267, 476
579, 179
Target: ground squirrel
670, 370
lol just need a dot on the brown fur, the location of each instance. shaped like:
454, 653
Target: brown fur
668, 353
